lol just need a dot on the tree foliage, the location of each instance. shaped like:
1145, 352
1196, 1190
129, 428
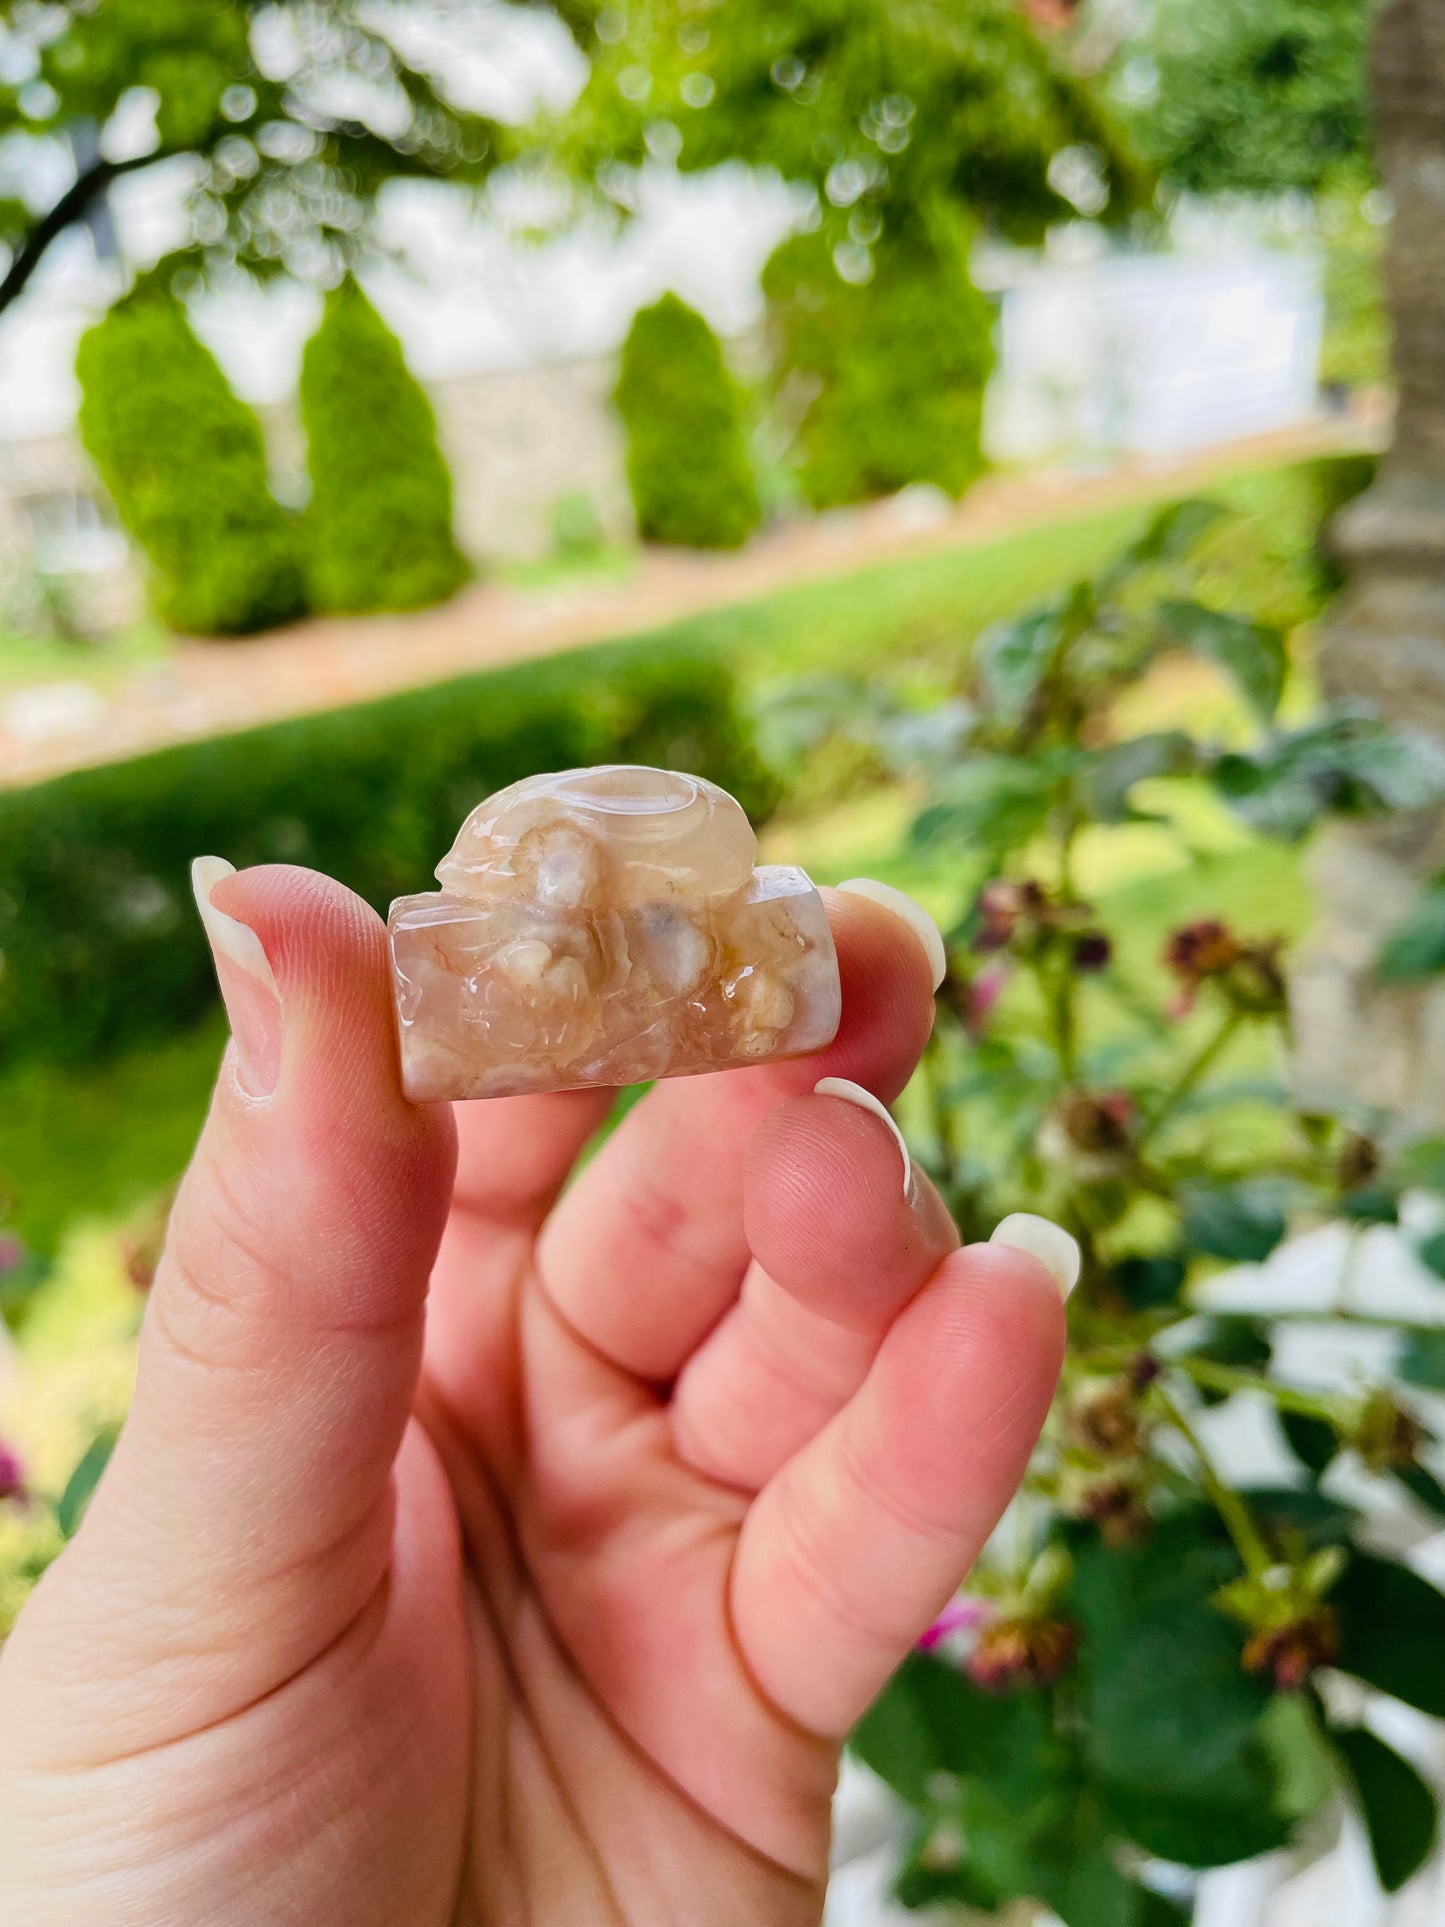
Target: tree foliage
287, 177
185, 465
687, 451
379, 526
1257, 96
889, 376
909, 127
882, 110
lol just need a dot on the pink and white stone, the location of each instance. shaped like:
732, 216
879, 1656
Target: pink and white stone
605, 927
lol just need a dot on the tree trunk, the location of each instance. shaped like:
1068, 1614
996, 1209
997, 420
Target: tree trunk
1385, 645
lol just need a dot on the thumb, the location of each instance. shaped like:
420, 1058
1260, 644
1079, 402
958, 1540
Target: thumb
245, 1518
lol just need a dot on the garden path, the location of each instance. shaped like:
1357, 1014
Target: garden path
209, 688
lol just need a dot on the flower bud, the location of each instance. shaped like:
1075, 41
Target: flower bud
1022, 1652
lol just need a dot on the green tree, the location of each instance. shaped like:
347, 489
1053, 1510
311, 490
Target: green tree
904, 123
379, 528
185, 465
287, 177
882, 110
687, 453
892, 372
1256, 96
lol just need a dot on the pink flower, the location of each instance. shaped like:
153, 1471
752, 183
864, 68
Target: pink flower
960, 1615
983, 993
12, 1475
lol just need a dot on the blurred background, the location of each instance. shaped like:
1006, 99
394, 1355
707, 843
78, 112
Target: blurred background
1004, 442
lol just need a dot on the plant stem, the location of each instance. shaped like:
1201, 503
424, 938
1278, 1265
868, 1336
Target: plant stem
1062, 1005
1238, 1520
1345, 1283
1059, 996
1191, 1075
1215, 1377
941, 1112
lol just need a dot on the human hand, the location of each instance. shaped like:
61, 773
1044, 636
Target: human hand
549, 1594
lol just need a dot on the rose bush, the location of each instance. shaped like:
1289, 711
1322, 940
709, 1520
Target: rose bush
1143, 1675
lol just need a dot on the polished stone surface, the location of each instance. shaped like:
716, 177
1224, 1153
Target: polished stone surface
606, 927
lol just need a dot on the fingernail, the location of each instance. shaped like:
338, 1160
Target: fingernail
866, 1101
908, 910
248, 983
1055, 1250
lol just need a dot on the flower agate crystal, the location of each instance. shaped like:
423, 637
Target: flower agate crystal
605, 927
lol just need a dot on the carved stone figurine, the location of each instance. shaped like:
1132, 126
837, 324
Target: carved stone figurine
605, 927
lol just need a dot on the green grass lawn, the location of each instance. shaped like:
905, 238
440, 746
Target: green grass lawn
96, 1141
33, 659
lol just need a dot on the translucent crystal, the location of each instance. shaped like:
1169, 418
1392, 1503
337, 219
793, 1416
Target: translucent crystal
604, 927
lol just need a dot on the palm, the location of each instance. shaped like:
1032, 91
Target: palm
594, 1598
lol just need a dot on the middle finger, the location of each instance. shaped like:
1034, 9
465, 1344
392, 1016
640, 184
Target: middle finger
647, 1250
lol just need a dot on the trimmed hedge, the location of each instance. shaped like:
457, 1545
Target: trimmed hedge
100, 941
896, 368
687, 452
379, 527
185, 465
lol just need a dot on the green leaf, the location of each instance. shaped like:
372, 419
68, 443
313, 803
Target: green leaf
1089, 1890
1314, 1442
1169, 537
1400, 1811
1231, 1338
1201, 1832
1304, 1770
1431, 1253
1371, 1204
904, 1736
1415, 949
1424, 1487
1419, 1164
932, 1719
1253, 653
993, 803
1301, 1512
1060, 1849
1157, 1910
1171, 1722
1392, 1631
921, 1883
1117, 770
1147, 1284
1014, 658
1422, 1359
1241, 1223
1345, 765
22, 1273
70, 1509
1238, 1341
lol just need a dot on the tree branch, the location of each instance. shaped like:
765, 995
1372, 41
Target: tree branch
74, 204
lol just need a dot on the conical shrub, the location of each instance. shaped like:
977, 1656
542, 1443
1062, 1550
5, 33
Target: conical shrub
185, 464
687, 452
895, 368
379, 526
